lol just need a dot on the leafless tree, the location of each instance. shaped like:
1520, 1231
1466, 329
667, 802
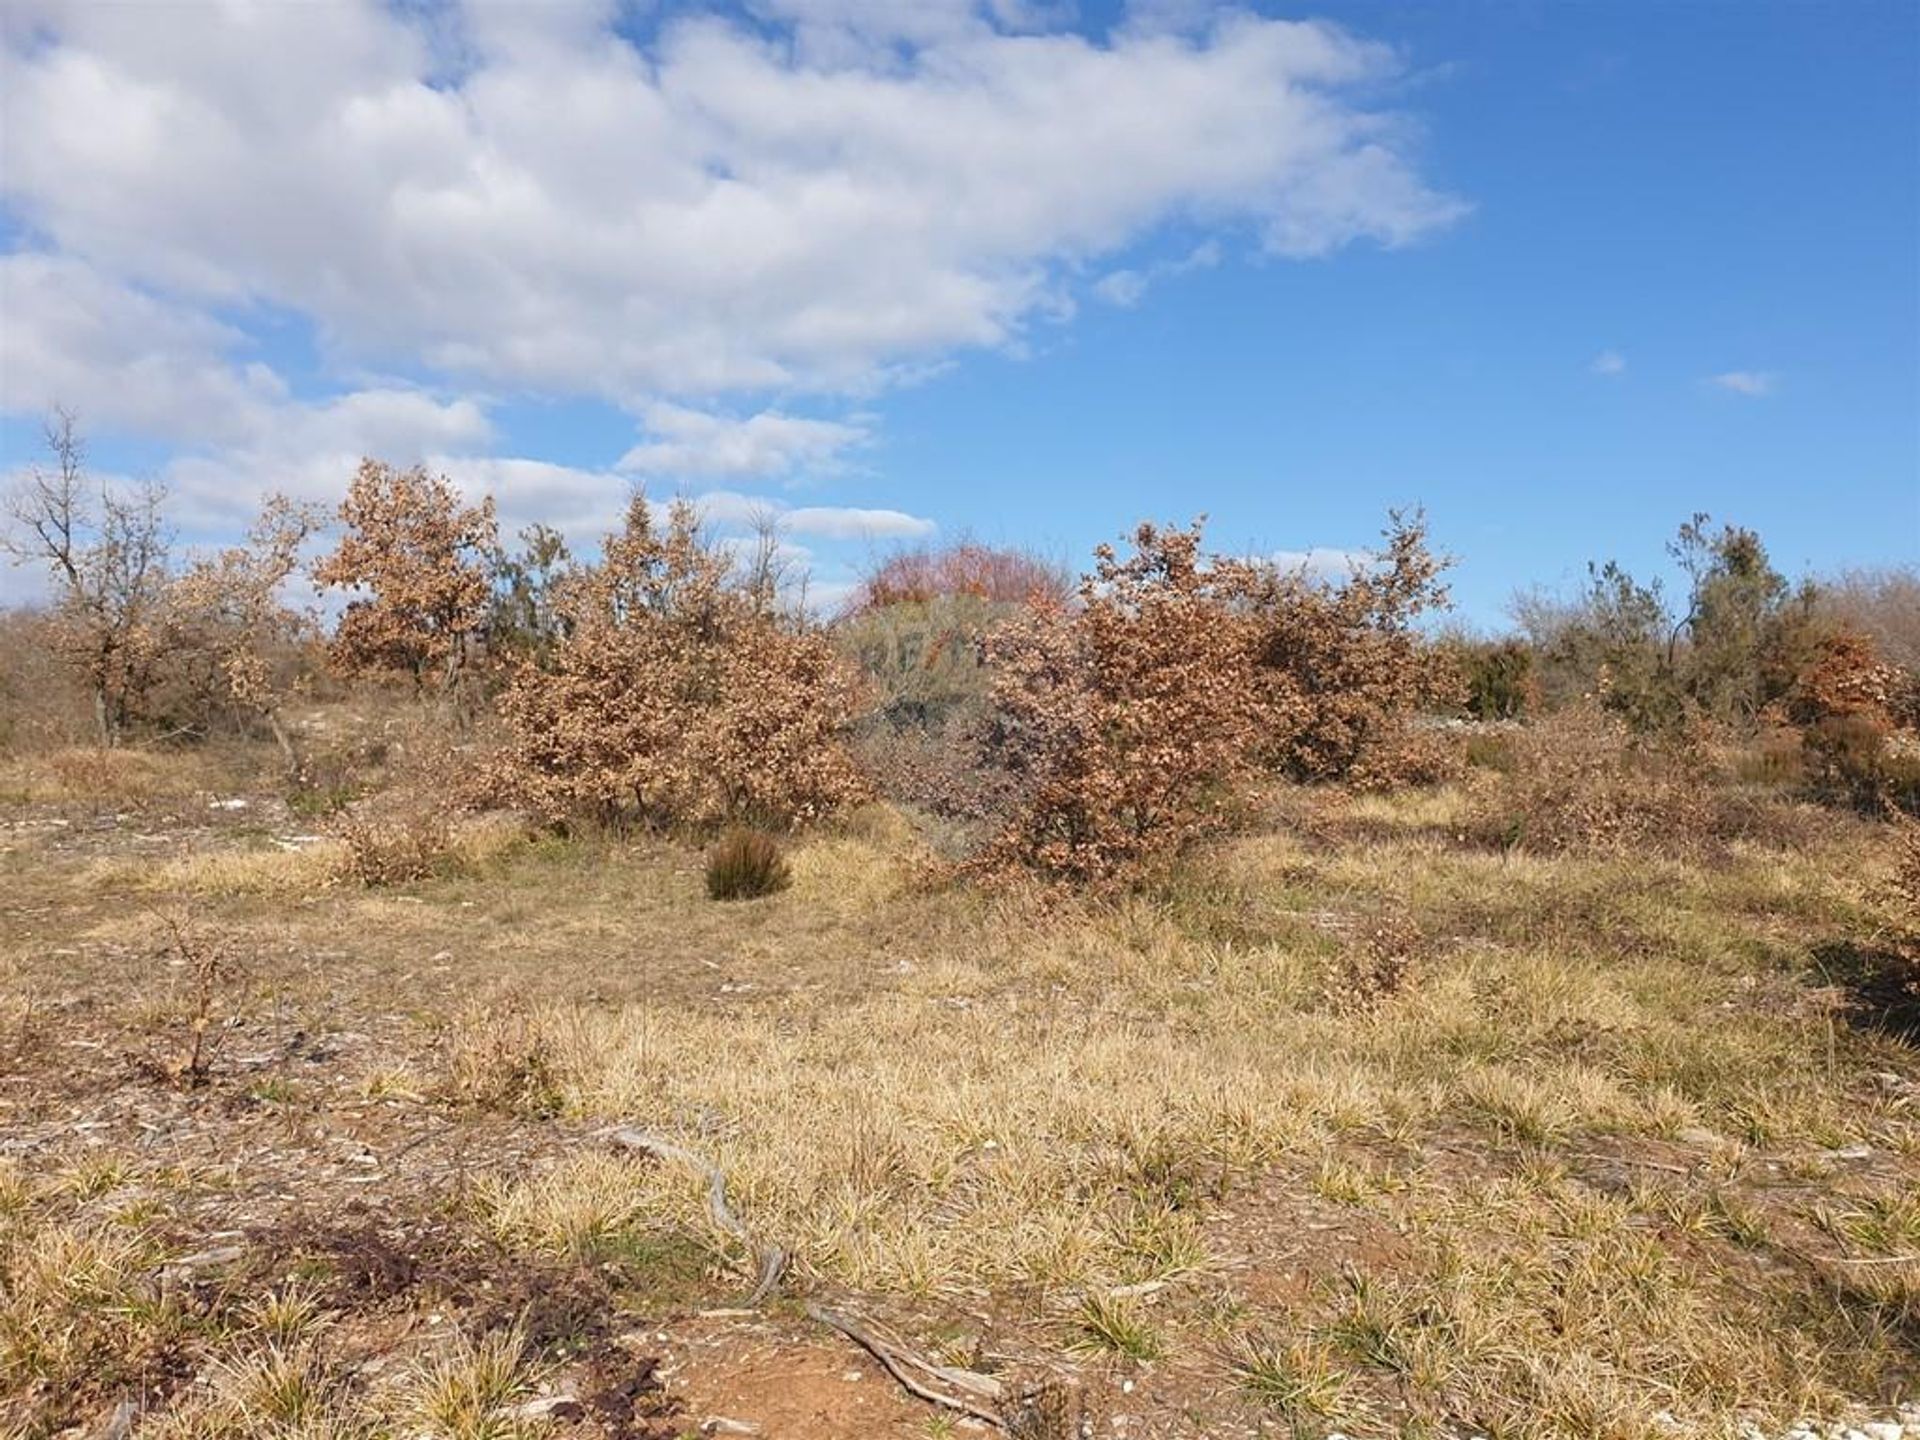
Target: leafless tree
770, 575
105, 549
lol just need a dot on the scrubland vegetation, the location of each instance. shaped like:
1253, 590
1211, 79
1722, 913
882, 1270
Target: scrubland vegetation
1193, 999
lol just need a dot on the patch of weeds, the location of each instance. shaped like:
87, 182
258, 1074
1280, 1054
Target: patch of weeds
274, 1090
1161, 1241
1296, 1380
1354, 1184
1372, 1324
661, 1268
461, 1393
1879, 1224
1116, 1325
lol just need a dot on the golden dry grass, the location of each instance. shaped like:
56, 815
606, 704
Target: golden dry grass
1355, 1124
1050, 1107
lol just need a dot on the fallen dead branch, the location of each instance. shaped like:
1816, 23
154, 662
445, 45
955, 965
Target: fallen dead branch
964, 1391
770, 1260
967, 1391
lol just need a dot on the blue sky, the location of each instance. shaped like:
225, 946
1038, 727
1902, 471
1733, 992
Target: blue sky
1561, 273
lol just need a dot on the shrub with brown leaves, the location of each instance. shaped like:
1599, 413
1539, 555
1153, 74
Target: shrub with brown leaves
1581, 779
420, 559
1130, 720
1342, 665
995, 574
226, 612
677, 698
403, 830
391, 845
1850, 708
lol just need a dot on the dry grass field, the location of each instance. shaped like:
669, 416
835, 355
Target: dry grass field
1357, 1123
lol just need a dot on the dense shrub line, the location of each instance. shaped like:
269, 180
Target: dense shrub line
1085, 731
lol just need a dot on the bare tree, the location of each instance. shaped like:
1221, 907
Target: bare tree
770, 576
105, 549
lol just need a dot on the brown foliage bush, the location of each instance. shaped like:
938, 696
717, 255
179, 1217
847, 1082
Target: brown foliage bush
1851, 710
401, 829
43, 701
420, 560
1126, 721
1342, 666
1129, 721
1409, 754
745, 864
1581, 779
391, 845
233, 641
984, 572
937, 767
677, 698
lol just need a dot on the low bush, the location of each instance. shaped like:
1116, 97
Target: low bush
677, 697
1855, 716
746, 864
1497, 678
985, 573
1582, 779
1408, 754
1129, 722
1126, 721
391, 846
404, 831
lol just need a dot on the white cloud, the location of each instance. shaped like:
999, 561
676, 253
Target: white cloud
76, 337
729, 509
124, 360
1323, 562
1121, 287
838, 522
1608, 362
1754, 383
489, 198
723, 212
1125, 288
689, 442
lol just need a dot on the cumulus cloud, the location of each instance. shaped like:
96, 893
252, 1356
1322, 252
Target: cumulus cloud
689, 442
122, 359
726, 229
717, 212
1753, 383
839, 522
1608, 362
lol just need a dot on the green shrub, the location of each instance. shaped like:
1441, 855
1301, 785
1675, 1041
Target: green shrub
746, 864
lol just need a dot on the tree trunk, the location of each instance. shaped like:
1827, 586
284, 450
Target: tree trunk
283, 740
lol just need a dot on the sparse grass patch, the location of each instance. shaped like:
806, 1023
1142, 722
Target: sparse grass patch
1300, 1382
1112, 1324
460, 1393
